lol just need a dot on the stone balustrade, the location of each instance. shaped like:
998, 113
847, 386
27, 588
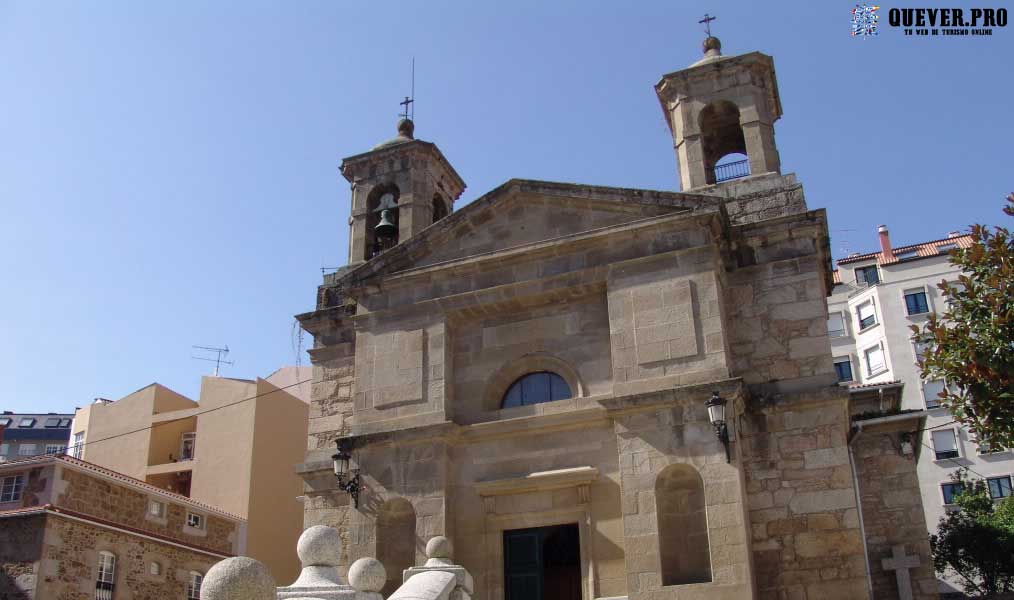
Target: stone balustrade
319, 550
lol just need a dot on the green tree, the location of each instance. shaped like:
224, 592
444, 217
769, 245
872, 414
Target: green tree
976, 542
971, 345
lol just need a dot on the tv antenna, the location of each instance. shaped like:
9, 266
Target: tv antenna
219, 360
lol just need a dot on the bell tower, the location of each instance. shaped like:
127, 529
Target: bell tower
399, 188
718, 106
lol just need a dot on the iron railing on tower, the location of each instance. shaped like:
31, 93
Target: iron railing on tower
732, 170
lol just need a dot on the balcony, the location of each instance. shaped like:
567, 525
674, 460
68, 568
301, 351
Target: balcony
732, 170
103, 590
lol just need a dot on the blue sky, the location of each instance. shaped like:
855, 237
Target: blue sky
168, 171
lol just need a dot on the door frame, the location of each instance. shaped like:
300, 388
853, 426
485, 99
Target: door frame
496, 525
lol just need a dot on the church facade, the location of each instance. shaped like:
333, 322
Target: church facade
601, 392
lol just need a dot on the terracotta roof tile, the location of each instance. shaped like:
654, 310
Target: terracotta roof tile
922, 250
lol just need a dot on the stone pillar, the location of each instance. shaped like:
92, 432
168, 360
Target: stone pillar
437, 577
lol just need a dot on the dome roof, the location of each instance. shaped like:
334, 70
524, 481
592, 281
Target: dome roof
406, 129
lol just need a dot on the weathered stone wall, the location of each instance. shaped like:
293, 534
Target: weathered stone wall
93, 496
20, 555
70, 563
892, 508
802, 505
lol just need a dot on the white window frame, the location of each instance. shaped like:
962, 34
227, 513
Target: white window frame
190, 436
27, 449
957, 443
865, 283
840, 359
859, 319
156, 509
30, 420
198, 518
194, 585
916, 290
844, 325
943, 499
866, 359
12, 487
77, 446
906, 254
926, 399
106, 568
1001, 476
154, 568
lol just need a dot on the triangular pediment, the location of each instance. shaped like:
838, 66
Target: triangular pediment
524, 212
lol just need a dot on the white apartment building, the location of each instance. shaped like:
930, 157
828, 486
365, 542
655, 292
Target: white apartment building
876, 298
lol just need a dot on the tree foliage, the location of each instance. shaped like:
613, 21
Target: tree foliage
971, 345
976, 542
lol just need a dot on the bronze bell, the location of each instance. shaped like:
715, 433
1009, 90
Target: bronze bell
385, 229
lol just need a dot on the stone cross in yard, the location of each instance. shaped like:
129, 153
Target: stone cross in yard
900, 564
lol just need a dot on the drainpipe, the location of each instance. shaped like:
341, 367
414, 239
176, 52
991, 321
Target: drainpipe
859, 508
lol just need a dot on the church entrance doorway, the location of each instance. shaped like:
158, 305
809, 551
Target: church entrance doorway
543, 563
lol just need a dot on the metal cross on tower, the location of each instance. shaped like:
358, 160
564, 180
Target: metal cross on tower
406, 102
707, 23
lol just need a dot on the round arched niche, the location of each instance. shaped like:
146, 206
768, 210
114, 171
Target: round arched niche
683, 545
530, 363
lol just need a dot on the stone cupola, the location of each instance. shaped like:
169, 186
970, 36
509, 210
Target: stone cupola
403, 182
722, 105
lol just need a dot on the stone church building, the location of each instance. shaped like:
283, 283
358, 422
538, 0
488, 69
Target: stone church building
531, 375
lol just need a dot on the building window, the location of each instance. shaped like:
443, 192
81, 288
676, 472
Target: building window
867, 315
194, 586
27, 450
5, 421
915, 302
195, 520
4, 450
999, 487
27, 422
843, 366
535, 388
931, 393
154, 568
867, 275
919, 349
64, 422
55, 448
945, 444
682, 526
10, 488
52, 422
945, 248
106, 579
906, 254
875, 360
78, 446
950, 491
156, 508
836, 325
188, 444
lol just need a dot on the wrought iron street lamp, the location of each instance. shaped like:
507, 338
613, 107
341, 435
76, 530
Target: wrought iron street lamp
716, 414
348, 478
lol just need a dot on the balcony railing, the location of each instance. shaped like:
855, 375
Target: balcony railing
733, 170
103, 590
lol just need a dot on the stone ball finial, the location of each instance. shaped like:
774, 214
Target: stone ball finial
319, 546
367, 575
406, 128
712, 43
238, 578
438, 547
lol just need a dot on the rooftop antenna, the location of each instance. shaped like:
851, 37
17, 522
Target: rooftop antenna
219, 359
707, 23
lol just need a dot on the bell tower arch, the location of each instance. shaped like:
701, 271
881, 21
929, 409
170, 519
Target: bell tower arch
718, 106
394, 187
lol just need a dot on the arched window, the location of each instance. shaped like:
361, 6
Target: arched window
440, 209
535, 388
395, 540
682, 526
382, 201
721, 135
105, 581
194, 586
